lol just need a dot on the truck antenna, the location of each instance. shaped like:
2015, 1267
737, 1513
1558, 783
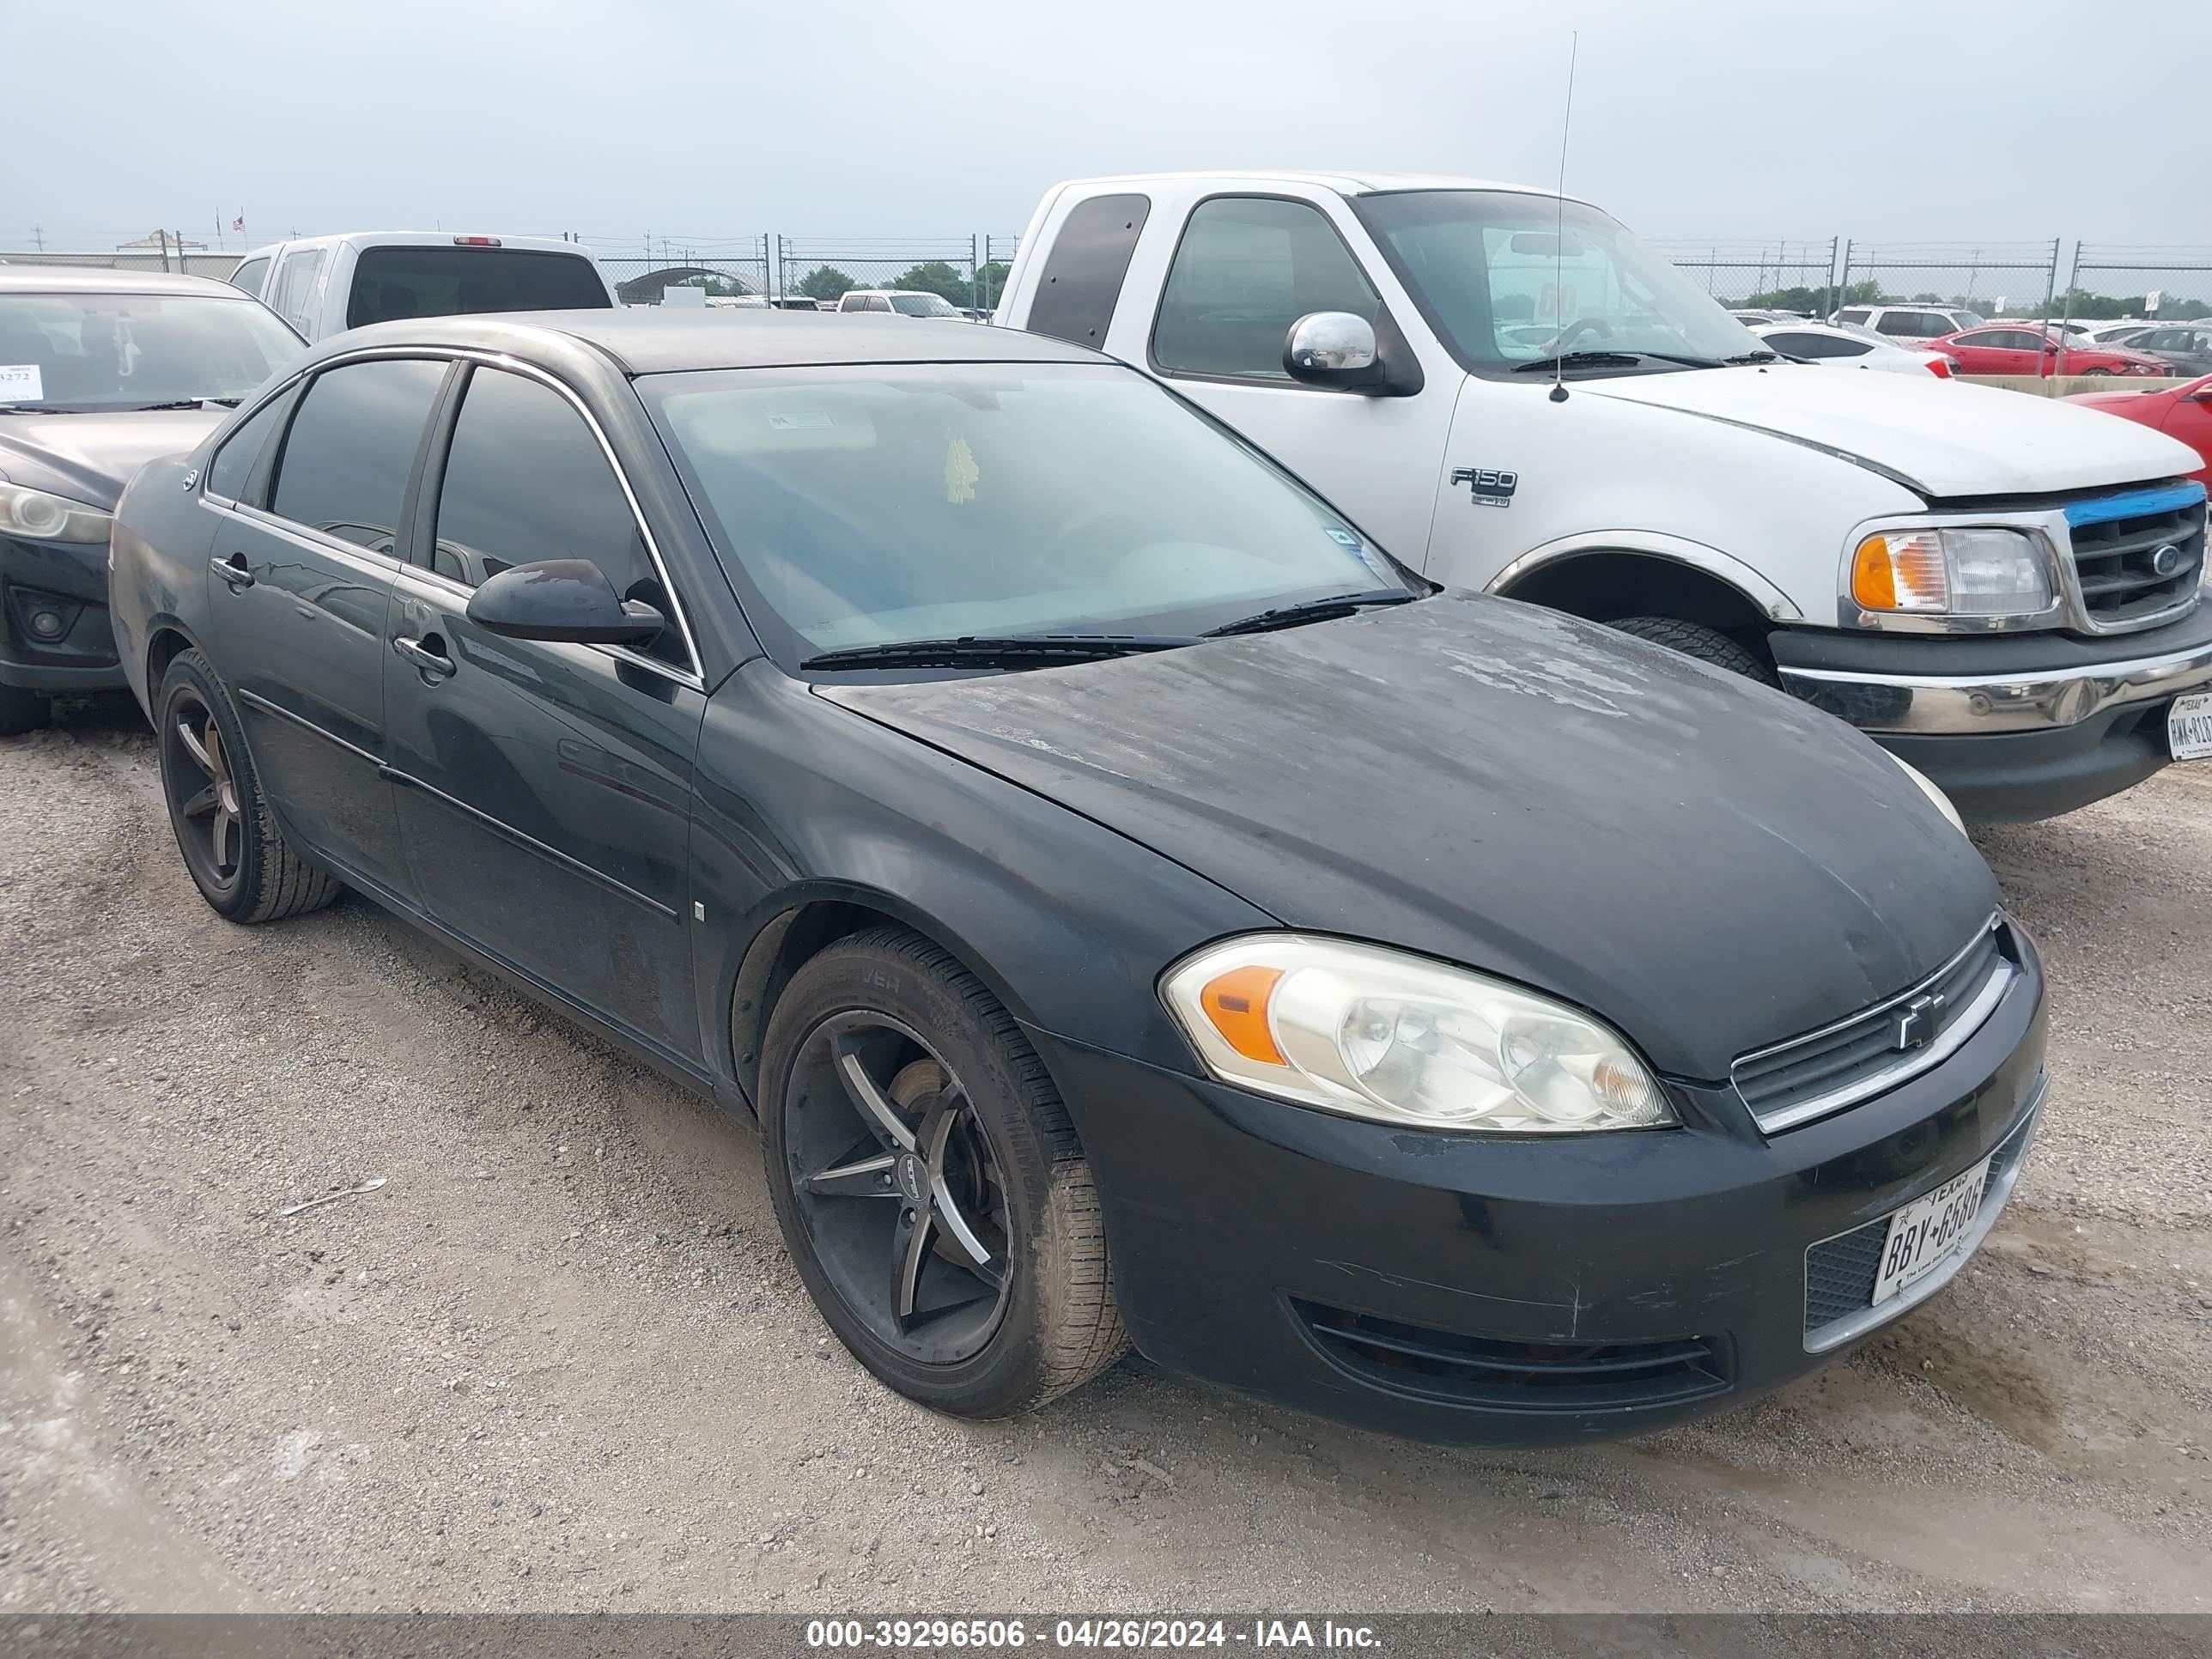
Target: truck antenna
1559, 228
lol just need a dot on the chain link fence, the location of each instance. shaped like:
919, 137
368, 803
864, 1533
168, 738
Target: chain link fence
2170, 284
192, 262
1791, 274
1992, 279
826, 268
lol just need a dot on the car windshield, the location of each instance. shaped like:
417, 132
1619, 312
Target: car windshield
86, 352
875, 504
1487, 267
923, 305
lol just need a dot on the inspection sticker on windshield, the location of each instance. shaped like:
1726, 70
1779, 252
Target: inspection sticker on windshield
1923, 1235
2189, 726
19, 384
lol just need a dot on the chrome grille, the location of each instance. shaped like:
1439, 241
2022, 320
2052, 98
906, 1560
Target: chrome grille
2119, 544
1812, 1076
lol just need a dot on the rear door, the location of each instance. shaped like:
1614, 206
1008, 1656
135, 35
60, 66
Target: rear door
544, 790
299, 580
295, 289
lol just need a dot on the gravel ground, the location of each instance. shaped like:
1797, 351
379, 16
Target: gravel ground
560, 1360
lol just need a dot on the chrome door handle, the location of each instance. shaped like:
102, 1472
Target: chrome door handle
424, 658
237, 575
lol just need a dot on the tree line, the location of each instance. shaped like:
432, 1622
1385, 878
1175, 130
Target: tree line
828, 282
2077, 303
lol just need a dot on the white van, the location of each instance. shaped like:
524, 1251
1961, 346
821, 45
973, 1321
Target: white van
323, 285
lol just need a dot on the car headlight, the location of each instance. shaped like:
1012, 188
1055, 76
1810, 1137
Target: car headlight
1378, 1033
1972, 572
40, 517
1928, 788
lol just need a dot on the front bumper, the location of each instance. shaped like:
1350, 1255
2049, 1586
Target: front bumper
2017, 727
68, 581
1523, 1290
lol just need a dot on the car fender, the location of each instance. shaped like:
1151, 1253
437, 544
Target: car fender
1762, 594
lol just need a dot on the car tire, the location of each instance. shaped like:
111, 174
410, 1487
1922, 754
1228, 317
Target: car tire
231, 844
886, 1020
21, 711
2088, 372
1706, 644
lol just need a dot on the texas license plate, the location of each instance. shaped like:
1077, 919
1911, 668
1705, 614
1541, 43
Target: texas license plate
1923, 1235
2189, 726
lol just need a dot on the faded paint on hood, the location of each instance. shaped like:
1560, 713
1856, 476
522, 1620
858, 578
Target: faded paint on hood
1942, 438
89, 458
1709, 864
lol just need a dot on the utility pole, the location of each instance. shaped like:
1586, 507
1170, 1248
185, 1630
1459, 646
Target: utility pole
38, 235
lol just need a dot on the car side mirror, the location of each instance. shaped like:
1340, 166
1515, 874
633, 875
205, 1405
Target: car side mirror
1330, 348
567, 601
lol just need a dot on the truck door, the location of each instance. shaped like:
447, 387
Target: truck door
1244, 269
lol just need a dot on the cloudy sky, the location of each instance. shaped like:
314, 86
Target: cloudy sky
703, 119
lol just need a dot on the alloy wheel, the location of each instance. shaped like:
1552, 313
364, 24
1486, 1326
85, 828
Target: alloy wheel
203, 792
903, 1196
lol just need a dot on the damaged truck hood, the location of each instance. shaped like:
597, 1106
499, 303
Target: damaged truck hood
1708, 864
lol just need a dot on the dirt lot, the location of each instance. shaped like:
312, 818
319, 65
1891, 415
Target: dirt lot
560, 1360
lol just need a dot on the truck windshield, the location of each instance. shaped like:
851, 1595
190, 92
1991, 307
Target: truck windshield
1508, 280
393, 282
82, 351
872, 505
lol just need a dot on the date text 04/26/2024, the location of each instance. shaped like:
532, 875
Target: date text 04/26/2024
895, 1634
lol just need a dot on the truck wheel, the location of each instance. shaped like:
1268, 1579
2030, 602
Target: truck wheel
21, 711
1706, 644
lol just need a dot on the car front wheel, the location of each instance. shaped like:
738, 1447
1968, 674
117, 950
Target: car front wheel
929, 1182
232, 842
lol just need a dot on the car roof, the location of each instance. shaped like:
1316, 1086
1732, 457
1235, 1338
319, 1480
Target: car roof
1345, 181
419, 238
648, 340
98, 279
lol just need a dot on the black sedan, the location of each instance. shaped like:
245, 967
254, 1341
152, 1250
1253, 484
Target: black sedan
99, 372
1134, 908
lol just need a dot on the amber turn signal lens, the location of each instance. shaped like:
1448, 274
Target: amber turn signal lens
1874, 581
1236, 1005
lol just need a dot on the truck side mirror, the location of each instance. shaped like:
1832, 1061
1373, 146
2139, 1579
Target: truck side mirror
1339, 350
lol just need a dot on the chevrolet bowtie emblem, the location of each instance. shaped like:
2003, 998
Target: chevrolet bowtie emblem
1915, 1024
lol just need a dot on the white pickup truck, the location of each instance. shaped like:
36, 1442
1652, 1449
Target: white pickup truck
1509, 391
323, 285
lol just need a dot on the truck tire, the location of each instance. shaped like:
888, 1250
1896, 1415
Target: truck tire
21, 711
1706, 644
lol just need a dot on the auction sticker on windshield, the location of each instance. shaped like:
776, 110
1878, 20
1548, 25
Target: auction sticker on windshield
1923, 1234
20, 383
2188, 724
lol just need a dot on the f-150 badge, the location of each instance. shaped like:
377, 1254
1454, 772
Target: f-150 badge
1487, 486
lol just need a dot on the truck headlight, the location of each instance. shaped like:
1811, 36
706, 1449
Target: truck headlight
1975, 572
39, 517
1379, 1033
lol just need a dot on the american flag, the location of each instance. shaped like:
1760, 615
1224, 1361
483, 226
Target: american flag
239, 223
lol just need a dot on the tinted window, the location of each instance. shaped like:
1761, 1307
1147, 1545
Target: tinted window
295, 296
526, 479
249, 274
1858, 314
1082, 276
345, 461
1246, 270
390, 283
1816, 345
233, 462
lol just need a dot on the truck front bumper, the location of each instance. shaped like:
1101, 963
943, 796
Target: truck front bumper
2012, 728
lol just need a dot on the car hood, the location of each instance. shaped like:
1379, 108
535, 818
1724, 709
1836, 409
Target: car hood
89, 458
1940, 439
1708, 864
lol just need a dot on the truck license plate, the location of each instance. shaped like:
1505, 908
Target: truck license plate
1923, 1235
2189, 726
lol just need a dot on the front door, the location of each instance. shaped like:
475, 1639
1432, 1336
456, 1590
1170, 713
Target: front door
544, 790
1246, 269
297, 593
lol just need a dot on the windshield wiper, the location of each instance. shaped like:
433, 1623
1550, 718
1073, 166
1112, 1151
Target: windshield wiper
1311, 610
997, 651
1752, 357
1625, 359
184, 403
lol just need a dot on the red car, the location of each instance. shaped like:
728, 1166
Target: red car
2179, 411
2009, 348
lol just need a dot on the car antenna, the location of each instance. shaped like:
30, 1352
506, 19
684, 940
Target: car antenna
1560, 225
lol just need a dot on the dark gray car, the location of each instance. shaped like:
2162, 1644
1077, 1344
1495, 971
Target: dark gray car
2185, 348
100, 372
